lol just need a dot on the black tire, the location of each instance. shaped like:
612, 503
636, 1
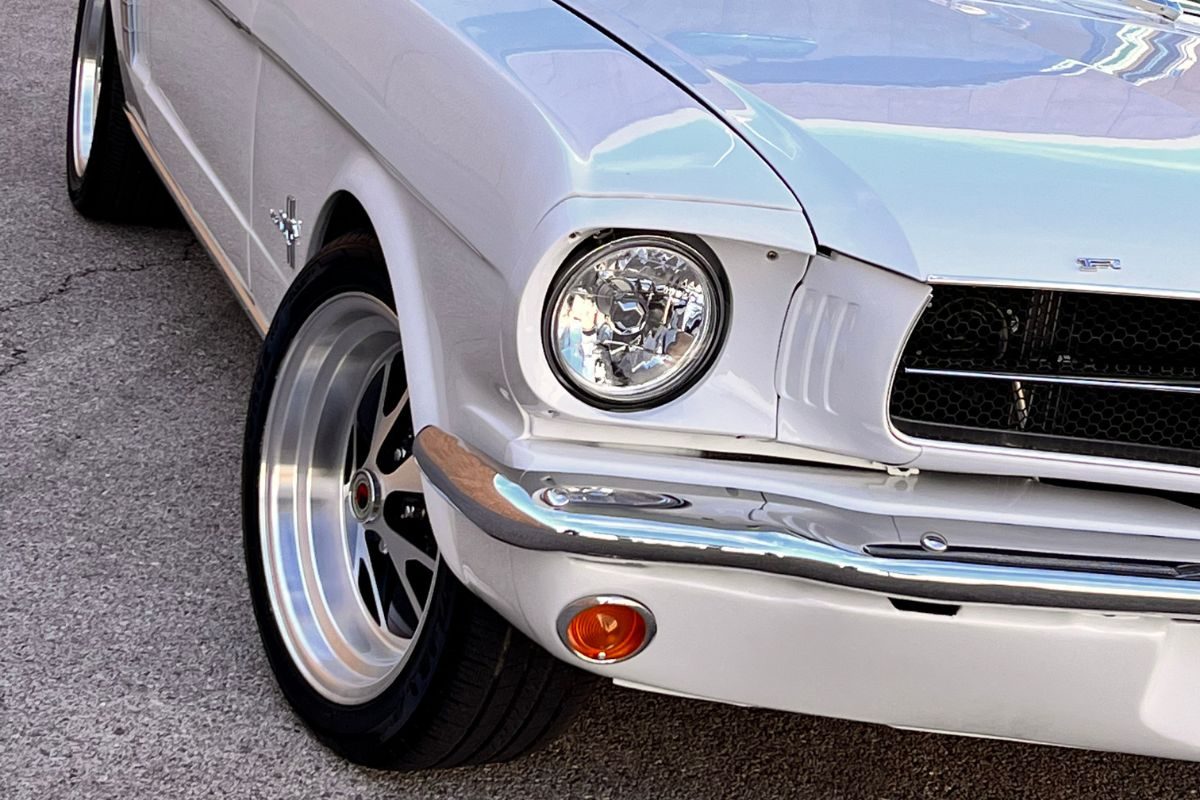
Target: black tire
118, 184
474, 689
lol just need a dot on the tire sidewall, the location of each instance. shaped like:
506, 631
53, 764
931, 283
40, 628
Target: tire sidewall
352, 264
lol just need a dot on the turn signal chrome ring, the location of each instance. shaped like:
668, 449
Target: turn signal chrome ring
606, 629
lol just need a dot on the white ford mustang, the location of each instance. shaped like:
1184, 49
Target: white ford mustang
837, 356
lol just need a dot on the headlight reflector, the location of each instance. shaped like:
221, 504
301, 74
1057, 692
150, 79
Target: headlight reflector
635, 322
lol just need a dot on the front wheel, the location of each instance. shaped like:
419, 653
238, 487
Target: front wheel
374, 642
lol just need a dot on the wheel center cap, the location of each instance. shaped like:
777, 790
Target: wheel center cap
364, 496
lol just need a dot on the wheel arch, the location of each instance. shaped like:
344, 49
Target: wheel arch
341, 213
445, 293
364, 197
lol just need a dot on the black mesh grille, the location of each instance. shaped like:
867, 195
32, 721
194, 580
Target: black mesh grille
1024, 339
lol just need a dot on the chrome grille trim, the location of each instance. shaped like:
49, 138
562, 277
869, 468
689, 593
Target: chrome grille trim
1106, 383
1063, 286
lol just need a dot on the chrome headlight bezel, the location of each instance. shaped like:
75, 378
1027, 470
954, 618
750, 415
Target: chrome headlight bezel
588, 255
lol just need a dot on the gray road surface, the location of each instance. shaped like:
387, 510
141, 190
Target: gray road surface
129, 663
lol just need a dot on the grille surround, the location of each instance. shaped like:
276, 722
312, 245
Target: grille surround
1086, 373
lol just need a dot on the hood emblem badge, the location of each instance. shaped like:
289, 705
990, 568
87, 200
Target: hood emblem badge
1098, 264
289, 226
1169, 10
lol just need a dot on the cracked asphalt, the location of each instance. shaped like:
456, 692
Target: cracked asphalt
129, 663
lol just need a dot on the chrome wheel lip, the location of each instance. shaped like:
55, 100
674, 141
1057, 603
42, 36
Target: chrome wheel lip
89, 65
307, 523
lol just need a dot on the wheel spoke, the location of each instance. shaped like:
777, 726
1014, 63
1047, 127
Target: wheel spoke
384, 424
366, 420
418, 605
364, 575
405, 479
351, 454
401, 551
381, 405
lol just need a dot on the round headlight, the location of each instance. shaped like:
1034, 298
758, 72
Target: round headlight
635, 322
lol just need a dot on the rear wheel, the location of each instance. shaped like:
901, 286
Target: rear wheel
108, 175
373, 640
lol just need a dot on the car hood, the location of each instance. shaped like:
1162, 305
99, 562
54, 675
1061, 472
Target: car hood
958, 139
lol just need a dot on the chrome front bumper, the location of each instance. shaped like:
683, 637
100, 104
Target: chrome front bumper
847, 548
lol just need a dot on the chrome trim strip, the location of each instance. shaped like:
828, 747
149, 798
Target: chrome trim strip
203, 234
1107, 383
1033, 458
229, 15
1145, 568
494, 498
1062, 286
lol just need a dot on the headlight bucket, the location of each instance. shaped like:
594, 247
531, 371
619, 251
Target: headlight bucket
634, 322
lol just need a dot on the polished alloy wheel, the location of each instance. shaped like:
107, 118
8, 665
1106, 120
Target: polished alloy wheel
349, 556
89, 64
373, 640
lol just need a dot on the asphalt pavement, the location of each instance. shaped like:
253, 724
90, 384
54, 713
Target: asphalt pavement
129, 662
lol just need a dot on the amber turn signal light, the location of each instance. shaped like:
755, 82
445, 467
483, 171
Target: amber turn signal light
604, 630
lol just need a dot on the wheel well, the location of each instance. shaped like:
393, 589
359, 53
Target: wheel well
343, 214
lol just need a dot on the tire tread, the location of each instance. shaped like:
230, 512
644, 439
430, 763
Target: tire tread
504, 699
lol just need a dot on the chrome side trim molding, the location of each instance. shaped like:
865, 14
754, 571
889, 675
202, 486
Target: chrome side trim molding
1104, 383
203, 234
497, 500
